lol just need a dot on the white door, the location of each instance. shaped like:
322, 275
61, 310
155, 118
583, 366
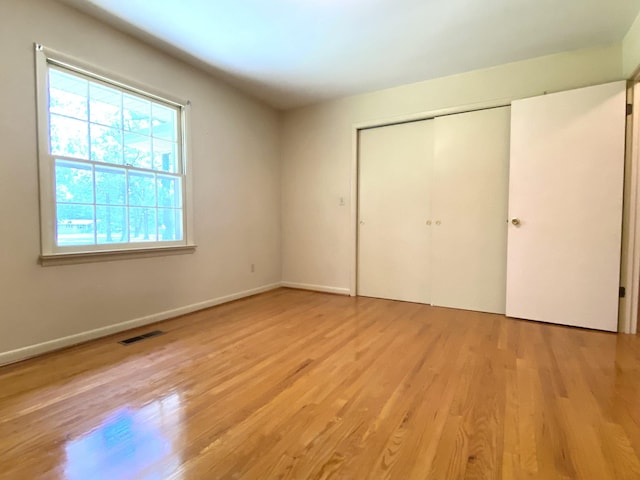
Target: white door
565, 199
470, 189
393, 210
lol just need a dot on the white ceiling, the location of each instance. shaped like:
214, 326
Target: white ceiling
295, 52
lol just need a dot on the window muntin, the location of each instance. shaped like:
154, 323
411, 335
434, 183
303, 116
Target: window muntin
117, 163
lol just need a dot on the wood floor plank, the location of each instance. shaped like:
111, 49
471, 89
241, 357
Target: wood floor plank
302, 385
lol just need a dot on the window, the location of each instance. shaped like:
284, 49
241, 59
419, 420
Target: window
112, 163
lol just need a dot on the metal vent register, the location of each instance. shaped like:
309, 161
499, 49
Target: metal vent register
139, 338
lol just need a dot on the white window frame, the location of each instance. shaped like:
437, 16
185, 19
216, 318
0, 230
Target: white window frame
51, 253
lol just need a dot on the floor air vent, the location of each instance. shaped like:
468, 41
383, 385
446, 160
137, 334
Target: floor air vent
139, 338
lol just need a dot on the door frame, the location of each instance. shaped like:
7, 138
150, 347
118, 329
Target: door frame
630, 262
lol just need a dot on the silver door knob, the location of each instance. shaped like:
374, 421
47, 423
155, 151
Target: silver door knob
515, 221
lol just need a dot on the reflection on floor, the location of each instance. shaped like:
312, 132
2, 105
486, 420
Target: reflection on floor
128, 444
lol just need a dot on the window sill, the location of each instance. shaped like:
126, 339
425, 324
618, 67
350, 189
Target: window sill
112, 255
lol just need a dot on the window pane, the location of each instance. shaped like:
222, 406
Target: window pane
75, 224
164, 122
105, 105
69, 137
142, 224
137, 150
169, 224
164, 156
112, 224
169, 191
136, 114
68, 94
142, 189
111, 186
74, 182
106, 144
116, 157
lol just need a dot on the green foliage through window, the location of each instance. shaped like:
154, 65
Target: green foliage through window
117, 165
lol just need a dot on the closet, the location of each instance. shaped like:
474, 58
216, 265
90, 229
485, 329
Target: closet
432, 210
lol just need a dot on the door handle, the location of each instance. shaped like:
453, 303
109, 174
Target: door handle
515, 222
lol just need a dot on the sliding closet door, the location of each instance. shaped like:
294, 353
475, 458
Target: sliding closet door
565, 201
393, 208
470, 190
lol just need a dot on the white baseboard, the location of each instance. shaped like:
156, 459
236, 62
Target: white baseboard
19, 354
316, 288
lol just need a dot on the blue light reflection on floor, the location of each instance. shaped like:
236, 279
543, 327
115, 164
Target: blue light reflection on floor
127, 444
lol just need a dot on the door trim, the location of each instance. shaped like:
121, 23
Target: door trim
631, 225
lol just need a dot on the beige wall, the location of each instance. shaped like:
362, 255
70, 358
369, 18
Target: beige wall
631, 49
317, 148
235, 146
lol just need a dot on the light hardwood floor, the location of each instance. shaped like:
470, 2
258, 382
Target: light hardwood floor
302, 385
